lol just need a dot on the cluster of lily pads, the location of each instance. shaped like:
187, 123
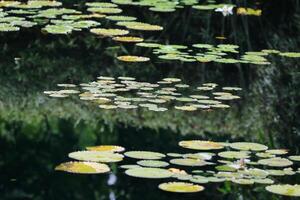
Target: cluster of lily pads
127, 93
222, 53
59, 20
241, 163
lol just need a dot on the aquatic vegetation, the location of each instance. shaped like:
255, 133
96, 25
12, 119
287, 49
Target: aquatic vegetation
129, 58
110, 148
225, 10
276, 162
248, 11
128, 39
287, 190
238, 167
188, 162
83, 167
201, 145
248, 146
109, 32
111, 93
180, 187
96, 156
203, 53
152, 173
144, 155
152, 163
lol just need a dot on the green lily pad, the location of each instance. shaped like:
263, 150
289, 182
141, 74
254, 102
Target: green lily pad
188, 162
276, 162
152, 163
294, 158
145, 155
153, 173
287, 190
234, 154
248, 146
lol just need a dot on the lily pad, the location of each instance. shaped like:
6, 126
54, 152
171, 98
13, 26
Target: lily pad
145, 172
234, 154
287, 190
201, 145
180, 187
276, 162
145, 155
188, 162
129, 58
83, 167
110, 148
109, 32
248, 146
96, 156
153, 163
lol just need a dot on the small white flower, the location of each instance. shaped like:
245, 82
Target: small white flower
225, 10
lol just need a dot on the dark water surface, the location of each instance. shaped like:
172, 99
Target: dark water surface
38, 132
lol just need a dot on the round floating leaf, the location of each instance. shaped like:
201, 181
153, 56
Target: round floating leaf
144, 172
201, 156
186, 108
232, 88
109, 32
101, 4
110, 148
201, 145
108, 107
180, 187
140, 26
264, 181
121, 18
129, 166
188, 162
291, 54
276, 162
277, 151
128, 39
243, 181
83, 167
133, 58
104, 10
287, 190
145, 155
96, 156
58, 29
175, 155
294, 158
152, 163
248, 146
234, 154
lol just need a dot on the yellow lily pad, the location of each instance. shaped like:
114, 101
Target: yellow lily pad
128, 39
109, 32
96, 156
110, 148
83, 167
201, 145
129, 58
180, 187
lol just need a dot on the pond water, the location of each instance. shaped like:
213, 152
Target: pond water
149, 75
